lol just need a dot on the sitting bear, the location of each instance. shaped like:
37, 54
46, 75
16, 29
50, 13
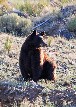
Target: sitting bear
33, 61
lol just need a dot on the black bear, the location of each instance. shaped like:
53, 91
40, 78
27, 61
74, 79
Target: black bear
33, 61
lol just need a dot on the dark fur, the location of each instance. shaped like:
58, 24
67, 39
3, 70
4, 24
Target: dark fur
33, 61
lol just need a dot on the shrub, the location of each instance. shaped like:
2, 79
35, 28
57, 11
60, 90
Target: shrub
72, 25
14, 24
8, 44
1, 12
64, 1
33, 7
49, 40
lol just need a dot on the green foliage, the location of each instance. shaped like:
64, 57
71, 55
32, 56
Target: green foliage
8, 44
4, 5
49, 40
1, 12
2, 1
72, 25
14, 24
33, 7
44, 2
64, 1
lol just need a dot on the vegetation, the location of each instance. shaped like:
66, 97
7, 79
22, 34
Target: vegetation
60, 93
49, 40
4, 4
64, 1
17, 93
14, 24
37, 11
72, 25
8, 44
2, 1
33, 7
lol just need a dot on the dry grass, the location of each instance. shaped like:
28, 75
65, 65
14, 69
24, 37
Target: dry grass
62, 92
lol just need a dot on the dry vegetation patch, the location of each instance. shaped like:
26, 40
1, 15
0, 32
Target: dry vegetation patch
14, 91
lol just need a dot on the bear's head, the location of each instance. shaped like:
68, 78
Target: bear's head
36, 40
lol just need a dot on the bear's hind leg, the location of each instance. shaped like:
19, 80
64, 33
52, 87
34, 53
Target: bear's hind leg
48, 71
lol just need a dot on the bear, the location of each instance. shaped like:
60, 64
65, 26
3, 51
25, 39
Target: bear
49, 66
34, 63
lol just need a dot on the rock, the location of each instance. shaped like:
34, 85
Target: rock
65, 33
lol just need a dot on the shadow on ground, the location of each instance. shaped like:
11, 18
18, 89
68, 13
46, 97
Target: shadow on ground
34, 94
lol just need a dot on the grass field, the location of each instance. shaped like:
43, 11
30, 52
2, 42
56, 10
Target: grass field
14, 92
61, 93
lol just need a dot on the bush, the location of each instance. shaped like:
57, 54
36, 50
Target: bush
72, 25
49, 40
33, 7
14, 24
8, 44
64, 1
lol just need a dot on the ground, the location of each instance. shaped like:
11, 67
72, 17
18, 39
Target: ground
62, 93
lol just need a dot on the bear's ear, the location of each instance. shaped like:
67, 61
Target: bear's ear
34, 32
42, 33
